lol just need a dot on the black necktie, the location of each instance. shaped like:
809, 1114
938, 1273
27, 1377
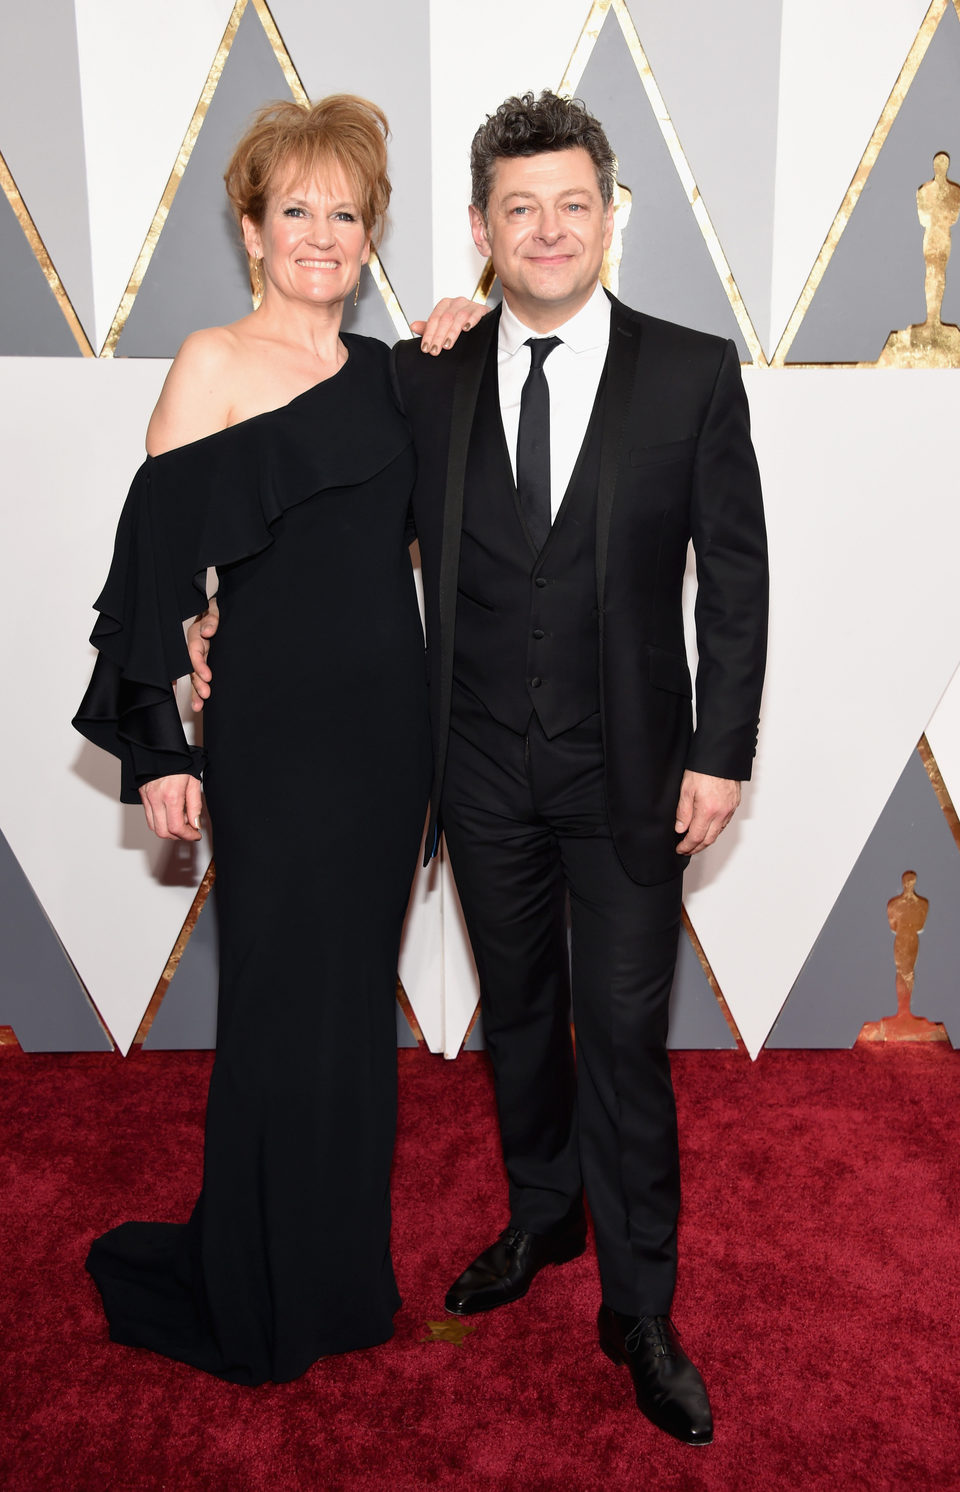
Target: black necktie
533, 443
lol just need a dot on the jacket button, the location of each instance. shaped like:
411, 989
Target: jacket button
535, 683
538, 632
540, 582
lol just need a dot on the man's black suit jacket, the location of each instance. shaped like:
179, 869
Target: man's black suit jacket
677, 463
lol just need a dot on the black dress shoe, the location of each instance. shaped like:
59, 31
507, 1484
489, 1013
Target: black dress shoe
670, 1391
505, 1270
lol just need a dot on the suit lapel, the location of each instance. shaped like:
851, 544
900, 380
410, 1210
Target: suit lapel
465, 392
466, 389
622, 363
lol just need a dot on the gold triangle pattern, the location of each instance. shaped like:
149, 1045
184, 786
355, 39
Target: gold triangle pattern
708, 973
568, 85
711, 979
470, 1027
176, 953
173, 182
403, 1000
179, 947
299, 93
38, 249
940, 788
891, 109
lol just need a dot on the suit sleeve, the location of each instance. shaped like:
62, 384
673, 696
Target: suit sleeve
729, 539
410, 528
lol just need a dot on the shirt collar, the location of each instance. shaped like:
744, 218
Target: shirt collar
589, 328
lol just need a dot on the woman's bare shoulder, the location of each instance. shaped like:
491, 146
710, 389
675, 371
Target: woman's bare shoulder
199, 391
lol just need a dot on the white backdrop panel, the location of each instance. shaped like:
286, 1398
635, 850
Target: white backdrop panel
436, 964
479, 55
72, 437
838, 64
421, 955
943, 736
865, 632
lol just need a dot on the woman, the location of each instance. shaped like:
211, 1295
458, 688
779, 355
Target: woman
276, 455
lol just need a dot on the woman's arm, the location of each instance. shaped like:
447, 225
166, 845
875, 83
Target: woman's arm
195, 399
193, 403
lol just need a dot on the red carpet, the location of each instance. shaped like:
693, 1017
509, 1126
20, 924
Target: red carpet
819, 1293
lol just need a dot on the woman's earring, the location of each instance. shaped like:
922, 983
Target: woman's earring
256, 279
356, 293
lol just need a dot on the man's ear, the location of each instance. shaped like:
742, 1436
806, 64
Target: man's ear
608, 227
478, 228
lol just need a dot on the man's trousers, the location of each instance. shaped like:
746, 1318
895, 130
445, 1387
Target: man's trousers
526, 826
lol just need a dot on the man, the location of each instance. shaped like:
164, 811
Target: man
553, 551
568, 449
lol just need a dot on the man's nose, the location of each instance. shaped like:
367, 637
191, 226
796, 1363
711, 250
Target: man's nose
550, 227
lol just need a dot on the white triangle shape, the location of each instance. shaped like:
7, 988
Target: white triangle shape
865, 626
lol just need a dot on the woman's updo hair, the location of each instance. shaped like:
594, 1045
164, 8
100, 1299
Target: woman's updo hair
287, 139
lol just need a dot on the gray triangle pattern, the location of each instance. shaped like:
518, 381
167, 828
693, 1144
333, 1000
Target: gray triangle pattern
197, 276
723, 97
405, 1036
31, 322
873, 284
666, 268
696, 1021
370, 317
42, 142
850, 976
40, 994
187, 1018
198, 273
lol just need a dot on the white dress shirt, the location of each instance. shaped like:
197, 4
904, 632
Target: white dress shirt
573, 375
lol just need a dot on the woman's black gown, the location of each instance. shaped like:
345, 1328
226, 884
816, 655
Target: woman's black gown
318, 763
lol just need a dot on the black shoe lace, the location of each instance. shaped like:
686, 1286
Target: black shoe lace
511, 1238
654, 1328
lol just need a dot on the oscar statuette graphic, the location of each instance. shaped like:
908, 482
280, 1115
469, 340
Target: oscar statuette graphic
931, 343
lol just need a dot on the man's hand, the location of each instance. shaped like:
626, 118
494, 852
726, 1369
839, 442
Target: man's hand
172, 806
199, 634
446, 321
707, 804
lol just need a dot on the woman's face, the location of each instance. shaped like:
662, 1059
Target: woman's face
312, 240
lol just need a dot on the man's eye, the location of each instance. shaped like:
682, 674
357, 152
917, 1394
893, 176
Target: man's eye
520, 211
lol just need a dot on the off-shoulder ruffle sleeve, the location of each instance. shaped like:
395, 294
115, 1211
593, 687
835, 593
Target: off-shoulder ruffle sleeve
212, 503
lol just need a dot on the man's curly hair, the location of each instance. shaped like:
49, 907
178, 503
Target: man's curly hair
531, 126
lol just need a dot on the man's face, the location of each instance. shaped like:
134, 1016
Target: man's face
546, 231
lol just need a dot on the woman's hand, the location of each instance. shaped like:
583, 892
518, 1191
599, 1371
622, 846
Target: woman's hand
446, 321
172, 806
199, 634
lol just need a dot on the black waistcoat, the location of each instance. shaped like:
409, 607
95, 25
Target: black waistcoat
527, 637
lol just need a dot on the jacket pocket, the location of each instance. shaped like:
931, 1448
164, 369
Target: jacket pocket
671, 450
668, 671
